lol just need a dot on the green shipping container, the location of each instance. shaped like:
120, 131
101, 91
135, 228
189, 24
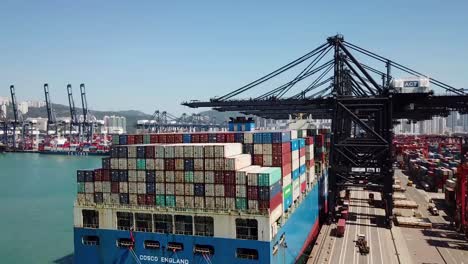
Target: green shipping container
160, 200
146, 139
241, 203
80, 187
287, 191
188, 176
170, 201
141, 164
115, 140
269, 176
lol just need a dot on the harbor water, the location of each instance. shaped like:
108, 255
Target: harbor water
36, 206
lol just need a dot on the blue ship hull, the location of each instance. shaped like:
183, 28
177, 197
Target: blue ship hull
298, 233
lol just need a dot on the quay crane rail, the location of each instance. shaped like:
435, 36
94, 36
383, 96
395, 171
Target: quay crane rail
359, 96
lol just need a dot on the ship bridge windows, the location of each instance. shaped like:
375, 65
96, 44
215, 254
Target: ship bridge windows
90, 218
247, 229
90, 240
163, 224
124, 220
247, 253
204, 226
183, 224
143, 222
125, 243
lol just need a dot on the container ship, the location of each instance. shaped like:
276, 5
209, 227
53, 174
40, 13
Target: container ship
215, 197
99, 146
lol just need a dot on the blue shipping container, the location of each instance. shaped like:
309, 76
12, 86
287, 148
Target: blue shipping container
187, 138
302, 169
257, 138
266, 138
294, 144
301, 142
287, 202
295, 174
188, 165
239, 137
231, 126
123, 139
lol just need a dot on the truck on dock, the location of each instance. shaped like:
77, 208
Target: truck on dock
340, 227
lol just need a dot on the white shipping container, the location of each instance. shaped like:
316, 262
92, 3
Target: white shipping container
219, 190
267, 149
198, 164
170, 188
123, 187
227, 150
115, 198
169, 151
131, 151
141, 188
267, 160
179, 151
80, 198
97, 186
311, 175
199, 202
89, 187
106, 198
302, 178
276, 213
114, 163
209, 164
218, 164
296, 189
241, 175
258, 149
150, 164
198, 177
89, 198
188, 151
180, 201
159, 177
209, 176
141, 176
159, 164
159, 151
169, 176
209, 189
293, 134
241, 191
198, 151
210, 202
220, 202
248, 138
132, 175
133, 199
287, 180
252, 176
295, 154
302, 160
208, 151
106, 187
295, 164
132, 188
189, 201
179, 164
238, 162
160, 188
179, 189
179, 177
131, 164
252, 205
230, 203
122, 164
189, 189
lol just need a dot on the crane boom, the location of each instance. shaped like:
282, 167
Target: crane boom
51, 120
71, 102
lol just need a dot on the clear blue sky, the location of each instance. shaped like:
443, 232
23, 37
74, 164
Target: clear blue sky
155, 54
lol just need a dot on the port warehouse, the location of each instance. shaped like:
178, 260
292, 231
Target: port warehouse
236, 185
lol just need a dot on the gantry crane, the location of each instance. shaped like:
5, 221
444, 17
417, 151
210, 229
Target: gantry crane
361, 100
87, 124
73, 118
51, 117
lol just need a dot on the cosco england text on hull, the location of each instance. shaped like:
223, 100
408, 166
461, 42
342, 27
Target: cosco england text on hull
119, 232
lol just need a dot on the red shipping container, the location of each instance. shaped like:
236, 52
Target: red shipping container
169, 164
309, 140
178, 138
204, 138
230, 177
252, 192
130, 139
149, 199
302, 152
230, 190
219, 177
105, 175
170, 138
310, 163
286, 169
221, 137
154, 138
98, 175
138, 139
258, 159
141, 199
230, 138
303, 186
195, 138
272, 204
149, 152
277, 161
162, 138
114, 187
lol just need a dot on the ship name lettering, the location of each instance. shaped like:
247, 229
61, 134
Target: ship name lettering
164, 259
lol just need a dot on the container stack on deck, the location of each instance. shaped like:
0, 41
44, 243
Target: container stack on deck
258, 172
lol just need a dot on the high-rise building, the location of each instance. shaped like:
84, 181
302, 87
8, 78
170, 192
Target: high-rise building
23, 107
5, 100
